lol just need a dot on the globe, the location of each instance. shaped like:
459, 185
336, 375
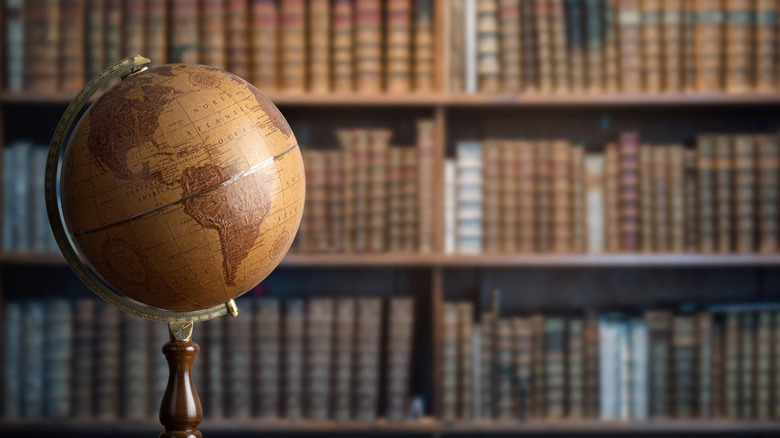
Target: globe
182, 187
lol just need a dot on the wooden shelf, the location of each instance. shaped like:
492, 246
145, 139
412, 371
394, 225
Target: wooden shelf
422, 427
482, 260
461, 100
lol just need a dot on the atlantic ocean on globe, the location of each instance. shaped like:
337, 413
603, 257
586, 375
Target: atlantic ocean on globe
182, 187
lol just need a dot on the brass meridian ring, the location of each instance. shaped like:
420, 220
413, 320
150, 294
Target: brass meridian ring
124, 67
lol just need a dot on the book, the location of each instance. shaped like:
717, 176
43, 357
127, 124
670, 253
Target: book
214, 28
426, 149
156, 25
707, 47
423, 46
214, 400
293, 359
651, 14
41, 45
523, 366
691, 230
558, 40
611, 197
526, 196
237, 366
12, 367
343, 362
263, 42
591, 391
747, 351
594, 189
684, 366
763, 365
502, 379
743, 151
609, 366
576, 42
544, 55
717, 365
184, 42
561, 194
703, 373
113, 30
661, 192
292, 46
705, 164
449, 363
83, 353
368, 334
399, 353
334, 181
659, 325
731, 364
629, 21
765, 38
134, 375
579, 236
508, 196
594, 32
107, 363
379, 144
96, 35
724, 180
485, 366
133, 31
456, 39
677, 204
318, 35
469, 197
543, 183
13, 27
738, 49
689, 46
488, 50
319, 348
267, 350
672, 16
638, 339
528, 43
470, 80
538, 367
628, 195
159, 335
647, 179
450, 206
412, 230
398, 48
491, 196
510, 45
72, 28
575, 368
767, 179
612, 66
466, 365
368, 46
342, 46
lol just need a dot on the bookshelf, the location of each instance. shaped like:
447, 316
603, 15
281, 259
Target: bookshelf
438, 277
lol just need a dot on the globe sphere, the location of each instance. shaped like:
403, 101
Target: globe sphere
182, 187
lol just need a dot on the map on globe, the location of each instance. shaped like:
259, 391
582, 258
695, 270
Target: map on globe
182, 186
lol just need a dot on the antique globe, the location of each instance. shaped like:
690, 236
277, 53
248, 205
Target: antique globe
181, 187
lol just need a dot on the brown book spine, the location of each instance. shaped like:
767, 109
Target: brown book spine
705, 169
107, 365
579, 210
768, 178
377, 200
334, 181
544, 56
652, 20
293, 363
763, 366
523, 365
267, 353
487, 365
689, 44
738, 45
747, 371
346, 141
319, 46
672, 44
319, 348
238, 367
659, 324
574, 28
213, 28
724, 181
538, 368
684, 360
527, 206
449, 362
237, 37
717, 368
528, 36
691, 219
555, 367
676, 198
344, 359
83, 351
113, 29
395, 201
398, 49
509, 197
412, 210
591, 393
731, 375
611, 197
361, 155
611, 47
399, 353
509, 20
263, 44
423, 57
704, 365
561, 190
503, 379
71, 51
629, 20
628, 192
646, 196
465, 361
544, 196
708, 45
765, 66
488, 55
156, 40
594, 44
368, 46
368, 333
558, 42
491, 197
744, 152
96, 38
575, 369
317, 199
343, 45
133, 31
293, 45
661, 193
424, 184
42, 42
184, 32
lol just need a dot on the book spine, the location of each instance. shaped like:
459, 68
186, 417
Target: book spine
113, 31
611, 197
508, 197
134, 367
214, 400
523, 366
319, 335
744, 153
691, 219
705, 169
158, 372
609, 366
293, 361
765, 37
612, 66
538, 368
776, 364
449, 361
717, 368
107, 365
83, 351
41, 39
591, 391
237, 37
488, 54
344, 356
319, 46
263, 44
14, 44
676, 173
361, 174
398, 53
594, 31
684, 353
747, 337
12, 364
638, 338
72, 42
689, 46
213, 23
561, 188
292, 60
575, 34
343, 46
410, 234
544, 55
156, 39
486, 375
40, 231
491, 197
724, 180
425, 184
738, 45
659, 324
704, 365
399, 353
266, 352
544, 195
423, 55
579, 236
469, 197
369, 323
32, 360
377, 204
334, 181
456, 47
450, 206
317, 200
651, 39
345, 139
768, 175
527, 206
184, 32
368, 46
731, 360
237, 367
559, 45
708, 45
594, 189
628, 194
528, 43
509, 21
133, 30
647, 178
21, 194
96, 36
629, 20
672, 43
575, 368
763, 366
503, 388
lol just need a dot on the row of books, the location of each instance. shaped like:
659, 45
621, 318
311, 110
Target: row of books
25, 223
316, 359
320, 46
522, 196
369, 196
715, 364
629, 46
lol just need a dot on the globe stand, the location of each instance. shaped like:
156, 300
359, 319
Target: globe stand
180, 411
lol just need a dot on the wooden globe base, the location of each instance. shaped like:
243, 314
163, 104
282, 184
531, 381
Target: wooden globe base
180, 412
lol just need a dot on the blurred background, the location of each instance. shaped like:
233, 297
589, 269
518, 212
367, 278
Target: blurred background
522, 217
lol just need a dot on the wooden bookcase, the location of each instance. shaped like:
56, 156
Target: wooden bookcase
549, 281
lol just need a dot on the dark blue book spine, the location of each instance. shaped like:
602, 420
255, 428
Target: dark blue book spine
9, 161
58, 340
158, 366
214, 395
83, 357
32, 360
237, 367
40, 230
12, 352
134, 367
21, 196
